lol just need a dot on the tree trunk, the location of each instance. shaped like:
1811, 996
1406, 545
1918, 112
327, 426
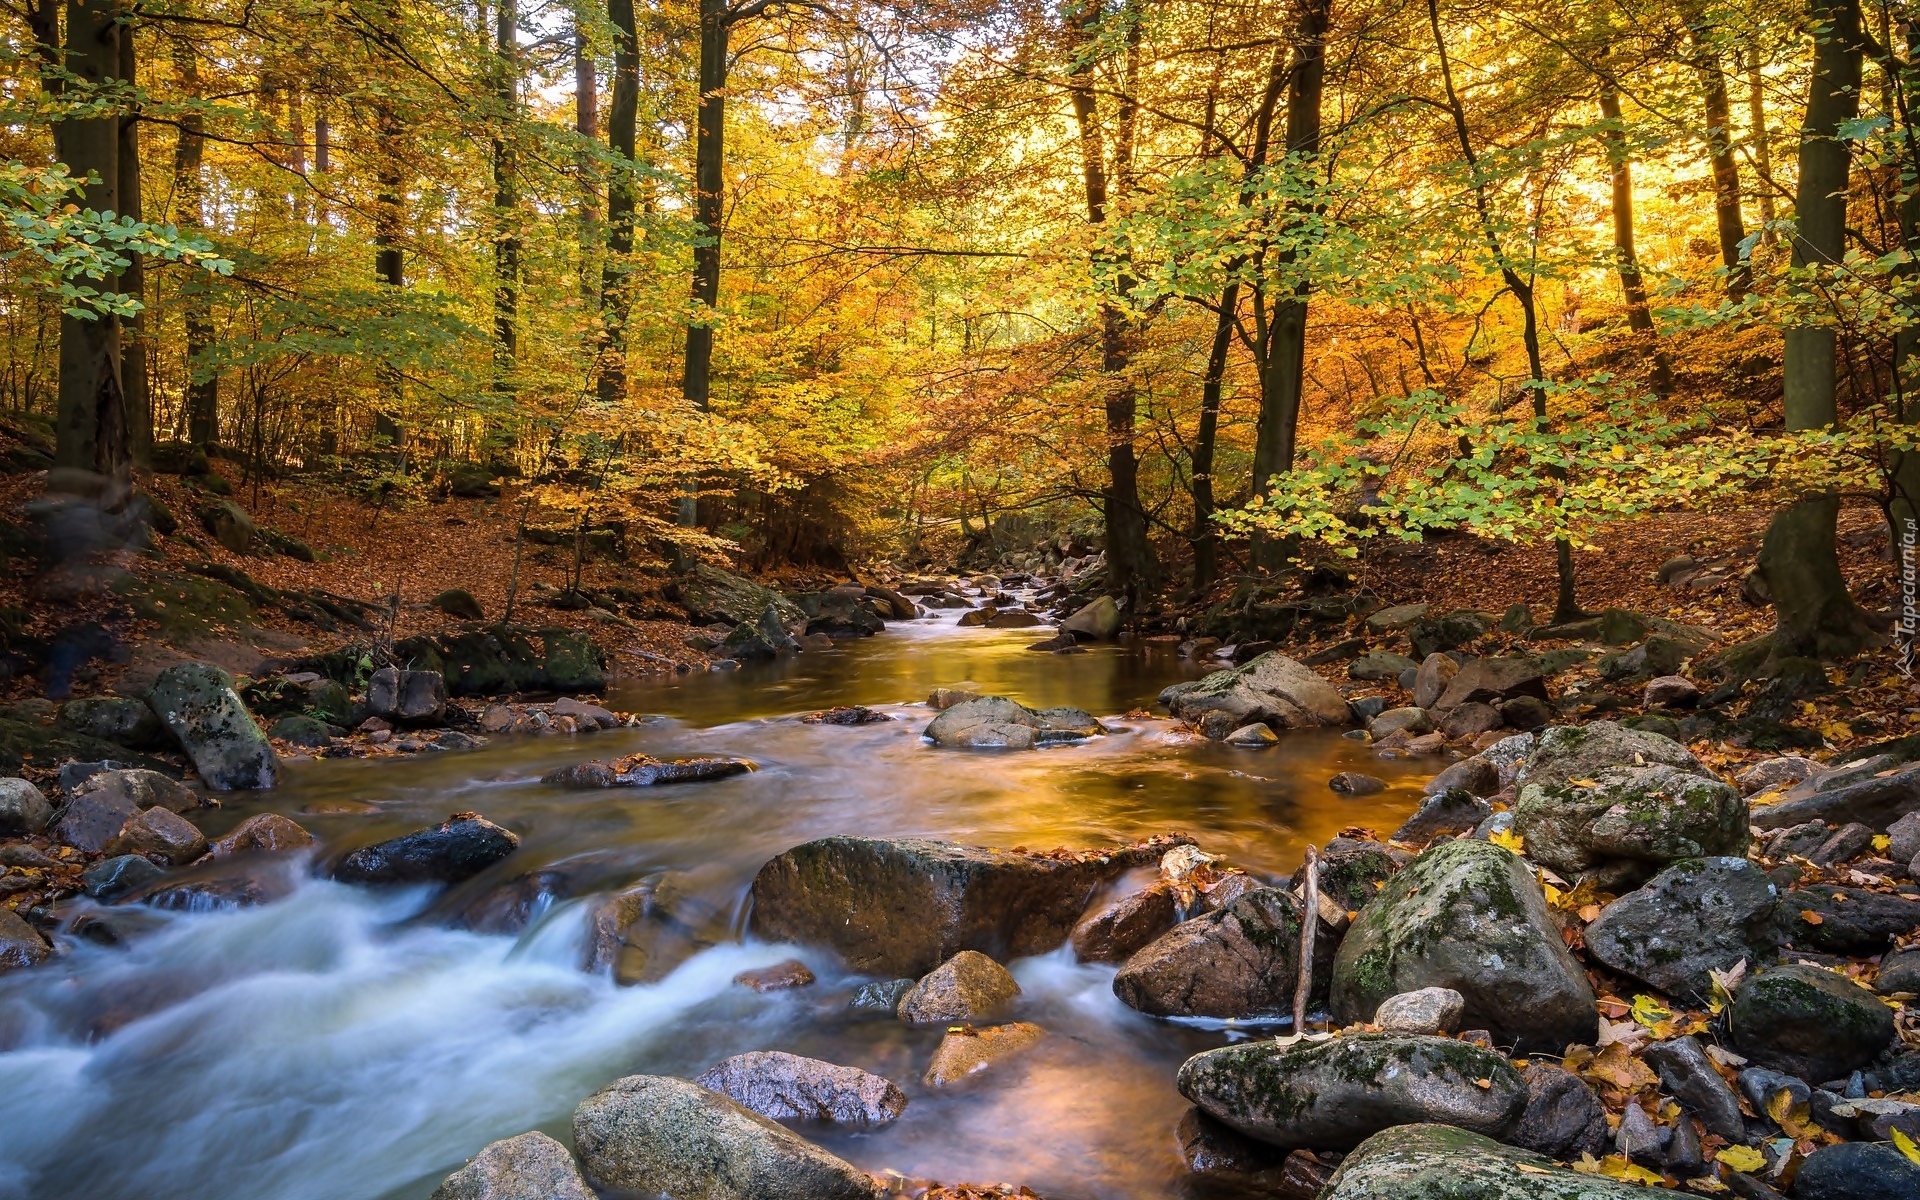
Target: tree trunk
91, 443
1726, 172
586, 123
133, 282
506, 200
1626, 262
709, 184
389, 257
622, 116
1799, 557
1762, 151
203, 395
1206, 537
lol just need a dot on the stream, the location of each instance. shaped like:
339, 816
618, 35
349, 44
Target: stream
346, 1044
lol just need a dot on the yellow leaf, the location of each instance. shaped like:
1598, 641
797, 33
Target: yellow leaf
1742, 1158
1583, 782
1811, 917
1906, 1146
1881, 841
1530, 1169
1649, 1012
1483, 1083
1506, 839
1615, 1166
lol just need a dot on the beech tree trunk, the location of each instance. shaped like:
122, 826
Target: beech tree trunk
622, 116
203, 394
709, 182
506, 202
1626, 261
1799, 557
389, 256
1206, 537
1726, 172
586, 123
133, 282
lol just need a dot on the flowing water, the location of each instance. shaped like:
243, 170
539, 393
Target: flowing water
343, 1044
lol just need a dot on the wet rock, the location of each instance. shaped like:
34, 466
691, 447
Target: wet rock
1440, 1162
1355, 783
787, 1087
1271, 689
112, 878
91, 820
1431, 1010
124, 720
200, 707
1333, 1095
19, 854
1469, 916
20, 944
966, 1051
941, 699
651, 1135
1435, 672
1463, 722
1491, 680
24, 809
1253, 737
1621, 827
511, 906
1839, 798
408, 697
615, 941
1381, 664
1477, 776
458, 848
1686, 1157
158, 832
1114, 931
229, 886
1698, 915
1670, 691
900, 906
1808, 1022
586, 717
1211, 1148
840, 613
1238, 962
639, 770
882, 997
1857, 1171
1570, 752
967, 987
850, 714
1688, 1076
1563, 1118
1098, 621
995, 722
530, 1167
780, 977
262, 833
713, 596
1411, 721
1455, 810
1637, 1138
1770, 773
1899, 972
1847, 920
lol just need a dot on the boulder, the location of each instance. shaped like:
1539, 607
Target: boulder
1808, 1022
1357, 783
1670, 691
1770, 773
1463, 722
1440, 1162
1491, 680
967, 987
1238, 962
1335, 1094
1469, 916
1903, 838
1698, 915
229, 524
91, 820
1689, 1076
262, 833
1622, 826
1352, 870
1381, 664
1431, 1010
217, 890
1098, 621
1857, 1171
158, 832
1411, 721
639, 770
459, 848
1570, 752
459, 604
20, 943
902, 906
111, 878
1272, 689
995, 722
1114, 931
966, 1051
1451, 631
1477, 776
787, 1087
1563, 1118
125, 720
1839, 798
712, 596
942, 698
1847, 920
530, 1167
1395, 617
408, 697
1253, 737
200, 707
301, 731
1455, 810
1211, 1149
846, 714
24, 810
1899, 972
651, 1135
1435, 672
840, 612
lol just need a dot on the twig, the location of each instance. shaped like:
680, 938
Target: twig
1310, 921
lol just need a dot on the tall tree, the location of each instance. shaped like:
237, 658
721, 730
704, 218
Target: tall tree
1719, 137
506, 198
133, 280
189, 197
1620, 168
622, 122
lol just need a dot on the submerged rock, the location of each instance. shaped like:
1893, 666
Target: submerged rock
967, 987
111, 878
650, 1135
1697, 916
902, 906
1627, 823
966, 1051
200, 707
782, 976
787, 1087
1440, 1162
640, 770
459, 848
1238, 962
1469, 916
849, 714
995, 722
530, 1167
1333, 1095
1272, 689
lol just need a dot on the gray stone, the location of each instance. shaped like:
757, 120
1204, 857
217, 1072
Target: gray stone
459, 848
1435, 673
1899, 972
1463, 722
530, 1167
111, 878
1240, 961
1114, 931
1356, 783
652, 1135
1412, 721
200, 707
966, 1051
1637, 1138
1380, 664
1876, 801
1569, 752
1526, 712
1333, 1095
1469, 916
262, 833
1842, 845
1848, 920
1477, 776
1253, 737
1509, 756
159, 832
1857, 1171
20, 943
91, 820
124, 720
301, 731
1449, 631
1440, 1162
1271, 689
787, 1087
1670, 691
967, 987
1808, 1022
995, 722
1395, 617
1098, 621
408, 697
1771, 773
882, 997
1455, 810
1491, 680
1903, 838
24, 809
1698, 915
1433, 1010
1622, 826
1563, 1118
1688, 1076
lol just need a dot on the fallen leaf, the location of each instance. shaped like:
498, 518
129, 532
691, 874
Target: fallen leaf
1506, 839
1906, 1146
1811, 917
1530, 1169
1742, 1158
1483, 1083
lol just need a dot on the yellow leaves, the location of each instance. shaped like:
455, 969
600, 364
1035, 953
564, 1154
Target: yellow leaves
1506, 839
1795, 1120
1648, 1011
1584, 782
1615, 1166
1720, 992
1530, 1169
1881, 841
1741, 1158
1616, 1065
1906, 1146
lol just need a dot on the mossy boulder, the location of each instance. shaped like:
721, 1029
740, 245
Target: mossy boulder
200, 707
302, 731
1333, 1095
1272, 689
1239, 962
459, 603
1469, 916
995, 722
229, 524
1441, 1162
1697, 916
22, 744
124, 720
1808, 1022
713, 596
1622, 827
1570, 752
571, 662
